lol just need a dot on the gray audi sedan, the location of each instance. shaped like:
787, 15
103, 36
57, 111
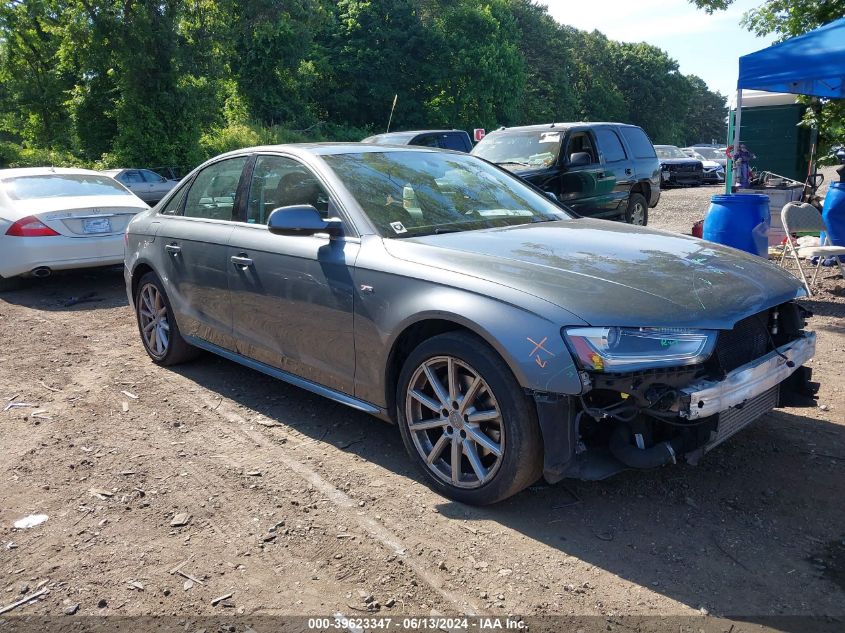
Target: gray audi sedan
506, 337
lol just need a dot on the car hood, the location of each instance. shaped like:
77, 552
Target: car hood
609, 273
680, 161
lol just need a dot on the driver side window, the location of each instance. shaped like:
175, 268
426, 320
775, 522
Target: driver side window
581, 142
282, 182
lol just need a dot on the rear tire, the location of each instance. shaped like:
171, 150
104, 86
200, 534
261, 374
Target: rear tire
8, 284
477, 412
157, 325
637, 211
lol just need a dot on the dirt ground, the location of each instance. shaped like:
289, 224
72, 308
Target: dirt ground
297, 505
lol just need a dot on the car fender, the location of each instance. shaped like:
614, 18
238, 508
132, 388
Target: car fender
531, 345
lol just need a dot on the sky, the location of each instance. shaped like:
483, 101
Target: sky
705, 45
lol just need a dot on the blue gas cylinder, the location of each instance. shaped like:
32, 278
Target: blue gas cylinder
833, 213
739, 220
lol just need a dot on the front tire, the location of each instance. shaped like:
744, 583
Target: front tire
466, 421
157, 326
637, 211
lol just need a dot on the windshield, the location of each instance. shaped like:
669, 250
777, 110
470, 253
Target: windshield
711, 153
669, 151
530, 149
407, 194
62, 186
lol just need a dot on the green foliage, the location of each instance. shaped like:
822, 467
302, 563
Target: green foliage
153, 82
14, 155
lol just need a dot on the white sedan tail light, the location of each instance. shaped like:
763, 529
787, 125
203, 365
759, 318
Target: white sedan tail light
30, 226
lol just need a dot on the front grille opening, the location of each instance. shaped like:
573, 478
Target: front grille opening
747, 341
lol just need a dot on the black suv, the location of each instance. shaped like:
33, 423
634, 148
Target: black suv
597, 169
457, 140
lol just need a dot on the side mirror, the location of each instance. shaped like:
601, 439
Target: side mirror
301, 219
580, 159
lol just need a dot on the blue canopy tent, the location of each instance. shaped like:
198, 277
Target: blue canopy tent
810, 64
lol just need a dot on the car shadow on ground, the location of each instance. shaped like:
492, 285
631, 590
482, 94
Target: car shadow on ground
88, 289
761, 515
755, 530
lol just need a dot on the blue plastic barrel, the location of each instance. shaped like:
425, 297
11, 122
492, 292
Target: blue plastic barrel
739, 220
833, 213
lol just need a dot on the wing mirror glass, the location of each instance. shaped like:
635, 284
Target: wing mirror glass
579, 159
301, 219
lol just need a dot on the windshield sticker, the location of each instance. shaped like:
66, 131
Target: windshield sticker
398, 227
550, 137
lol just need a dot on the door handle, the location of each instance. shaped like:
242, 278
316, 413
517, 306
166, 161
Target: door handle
629, 171
173, 249
241, 260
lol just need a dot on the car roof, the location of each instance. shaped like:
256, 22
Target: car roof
415, 132
675, 146
328, 149
563, 126
17, 172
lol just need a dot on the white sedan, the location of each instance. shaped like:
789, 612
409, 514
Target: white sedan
57, 219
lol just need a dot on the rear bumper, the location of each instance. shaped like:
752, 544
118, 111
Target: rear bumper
19, 255
745, 383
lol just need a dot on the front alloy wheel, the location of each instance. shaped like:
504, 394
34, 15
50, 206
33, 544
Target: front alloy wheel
466, 421
455, 422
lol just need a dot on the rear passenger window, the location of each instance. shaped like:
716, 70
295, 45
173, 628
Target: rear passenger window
212, 194
638, 142
132, 177
454, 141
610, 145
428, 140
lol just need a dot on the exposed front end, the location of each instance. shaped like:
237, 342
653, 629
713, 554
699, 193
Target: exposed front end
681, 174
662, 396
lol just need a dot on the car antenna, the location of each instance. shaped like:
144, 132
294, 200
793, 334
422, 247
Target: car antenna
393, 107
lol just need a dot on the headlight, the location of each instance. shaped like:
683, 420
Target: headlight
615, 349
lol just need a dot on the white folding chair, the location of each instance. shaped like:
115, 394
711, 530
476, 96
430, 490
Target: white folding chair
799, 218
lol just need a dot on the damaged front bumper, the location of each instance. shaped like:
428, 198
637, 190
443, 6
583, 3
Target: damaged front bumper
709, 397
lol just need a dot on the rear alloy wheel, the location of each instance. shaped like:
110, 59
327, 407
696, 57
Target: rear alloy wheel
637, 211
159, 332
466, 421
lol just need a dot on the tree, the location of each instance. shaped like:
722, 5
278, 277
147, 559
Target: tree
272, 43
482, 74
34, 88
378, 50
706, 113
547, 51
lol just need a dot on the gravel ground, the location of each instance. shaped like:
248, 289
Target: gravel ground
680, 208
210, 490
